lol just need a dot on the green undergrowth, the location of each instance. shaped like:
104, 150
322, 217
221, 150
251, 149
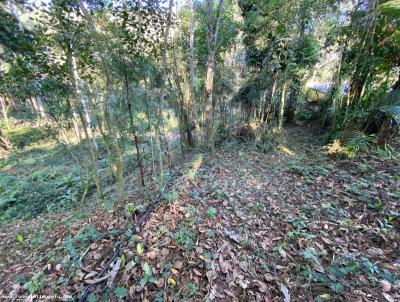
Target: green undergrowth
42, 176
38, 176
46, 190
25, 135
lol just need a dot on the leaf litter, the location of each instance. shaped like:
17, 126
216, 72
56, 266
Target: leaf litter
284, 226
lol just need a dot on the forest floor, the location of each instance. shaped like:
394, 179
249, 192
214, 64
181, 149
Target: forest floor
291, 225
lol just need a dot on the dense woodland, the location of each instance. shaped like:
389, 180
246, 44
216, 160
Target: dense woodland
161, 150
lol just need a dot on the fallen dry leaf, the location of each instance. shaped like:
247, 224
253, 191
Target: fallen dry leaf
151, 255
285, 292
268, 277
178, 264
197, 272
388, 297
386, 286
159, 282
262, 287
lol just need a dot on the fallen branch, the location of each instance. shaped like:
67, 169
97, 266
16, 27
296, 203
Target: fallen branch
120, 246
97, 280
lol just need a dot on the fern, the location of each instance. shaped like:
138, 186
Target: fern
358, 142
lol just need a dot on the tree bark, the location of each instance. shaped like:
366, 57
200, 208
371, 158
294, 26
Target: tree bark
78, 95
133, 128
271, 105
4, 142
109, 97
4, 109
153, 167
282, 107
159, 125
209, 103
192, 93
76, 126
186, 136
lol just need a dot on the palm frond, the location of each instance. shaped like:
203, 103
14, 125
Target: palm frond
392, 111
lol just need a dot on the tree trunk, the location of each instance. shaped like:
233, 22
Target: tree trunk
133, 128
76, 126
186, 136
78, 95
282, 107
38, 108
41, 110
271, 105
191, 98
4, 142
162, 88
291, 105
159, 125
159, 148
109, 97
262, 105
209, 103
153, 167
4, 109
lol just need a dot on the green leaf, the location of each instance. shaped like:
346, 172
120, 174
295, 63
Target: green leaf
337, 287
130, 265
325, 296
20, 238
211, 212
91, 298
139, 249
147, 270
343, 271
143, 282
309, 254
120, 292
393, 111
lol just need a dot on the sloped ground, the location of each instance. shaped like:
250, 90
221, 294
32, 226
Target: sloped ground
293, 225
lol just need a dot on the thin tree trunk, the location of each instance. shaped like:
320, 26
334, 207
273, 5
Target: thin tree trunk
183, 138
109, 97
337, 91
159, 148
262, 106
153, 166
75, 126
209, 103
4, 142
191, 98
4, 110
272, 97
159, 124
186, 136
107, 145
133, 128
41, 112
282, 106
85, 126
89, 121
35, 105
